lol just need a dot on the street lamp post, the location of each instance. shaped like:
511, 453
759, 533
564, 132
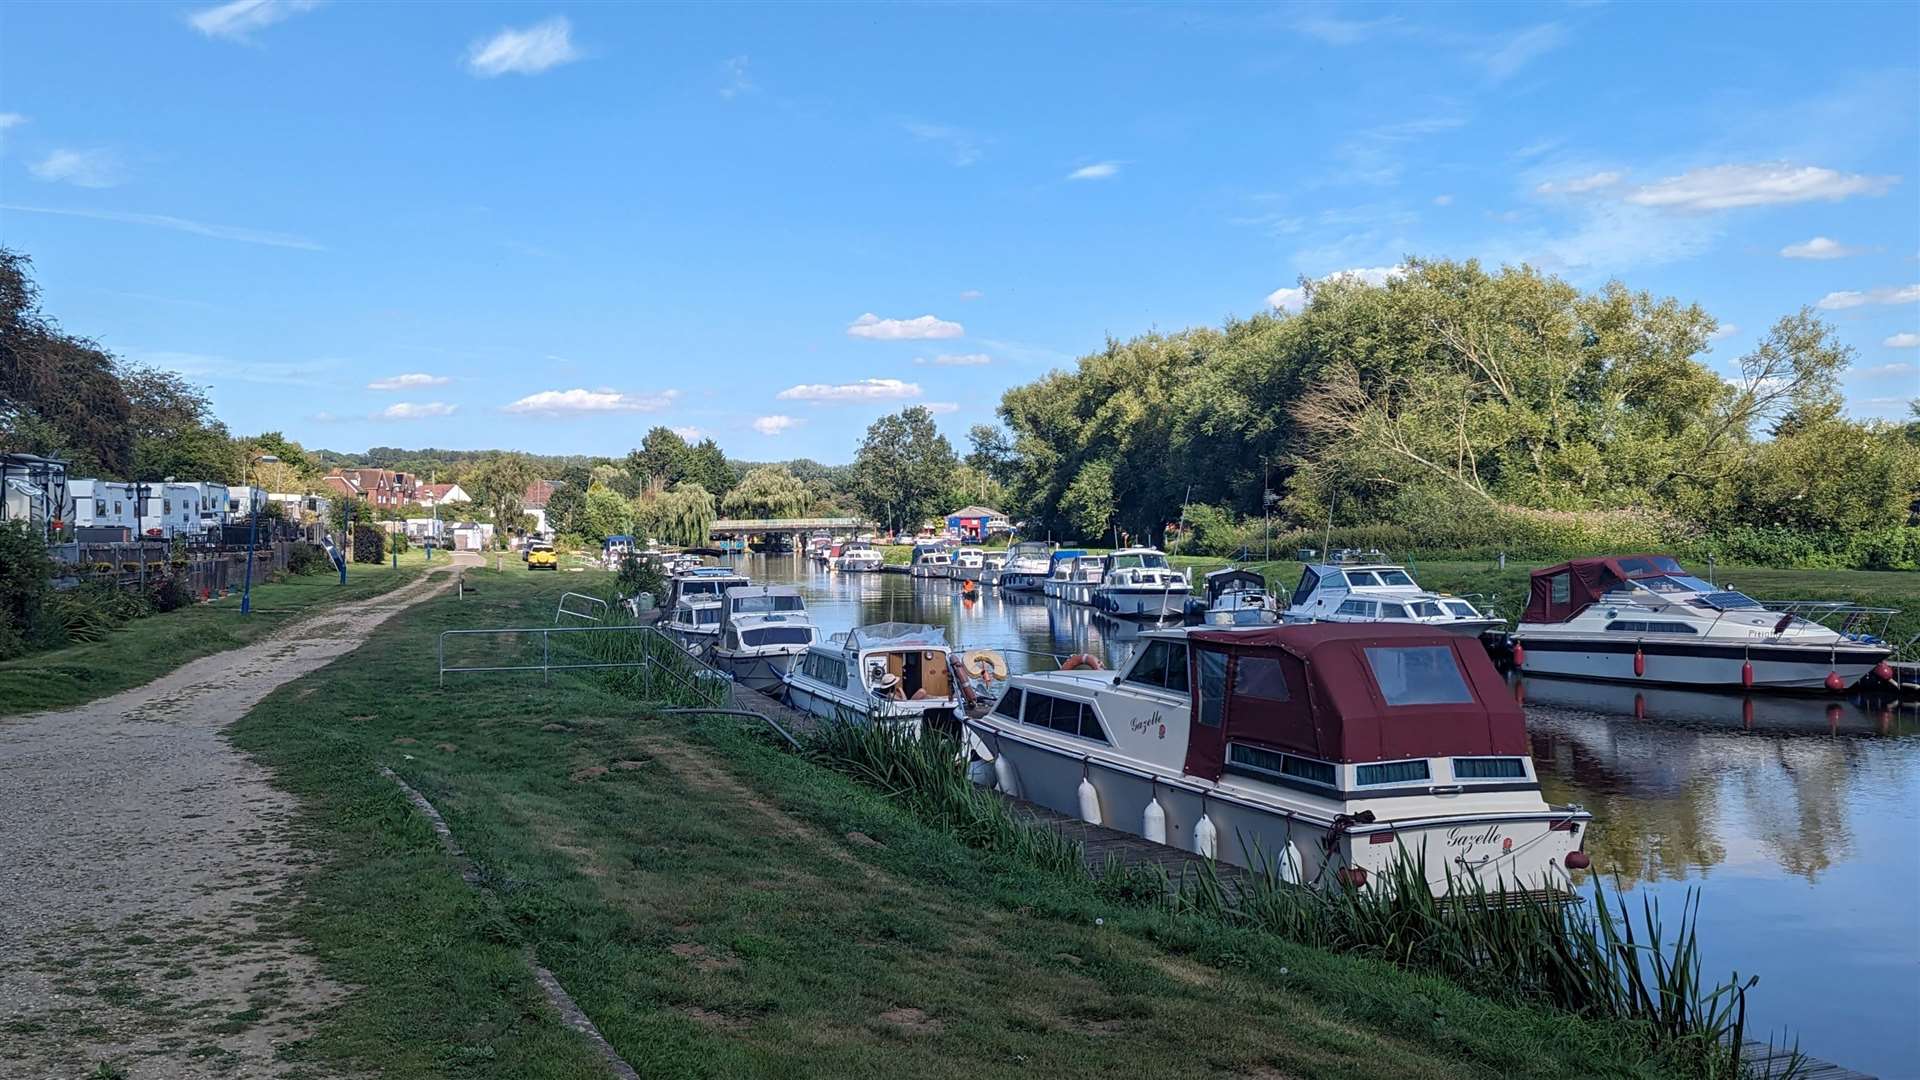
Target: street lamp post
253, 530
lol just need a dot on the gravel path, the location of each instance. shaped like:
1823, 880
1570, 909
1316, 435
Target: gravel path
145, 872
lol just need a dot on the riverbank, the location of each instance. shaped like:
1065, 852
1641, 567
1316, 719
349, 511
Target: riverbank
722, 908
149, 647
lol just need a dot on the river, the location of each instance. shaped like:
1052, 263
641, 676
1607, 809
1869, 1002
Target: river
1790, 815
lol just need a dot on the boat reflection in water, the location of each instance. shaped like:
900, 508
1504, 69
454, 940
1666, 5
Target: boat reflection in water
1750, 712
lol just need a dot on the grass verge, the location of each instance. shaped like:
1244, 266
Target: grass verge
722, 908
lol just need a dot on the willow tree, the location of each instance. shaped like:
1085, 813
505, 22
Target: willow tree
683, 515
768, 491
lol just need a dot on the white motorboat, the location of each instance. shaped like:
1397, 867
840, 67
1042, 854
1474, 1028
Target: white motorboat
1085, 575
1644, 619
1138, 583
1060, 572
967, 564
693, 605
1234, 597
1380, 592
859, 557
931, 561
993, 566
1028, 564
762, 628
883, 672
1318, 752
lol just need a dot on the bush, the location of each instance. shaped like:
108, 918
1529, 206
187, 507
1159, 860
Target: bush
169, 592
399, 545
305, 559
369, 544
89, 612
638, 575
26, 576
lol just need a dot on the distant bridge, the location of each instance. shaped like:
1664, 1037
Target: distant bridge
725, 527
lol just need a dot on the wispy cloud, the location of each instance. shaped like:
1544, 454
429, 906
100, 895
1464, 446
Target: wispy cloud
961, 146
941, 408
579, 401
1820, 248
1099, 170
238, 20
737, 81
689, 432
1514, 51
858, 390
412, 410
1890, 294
11, 120
164, 221
956, 360
1443, 200
1900, 341
1294, 298
775, 424
1334, 30
81, 168
529, 51
410, 381
972, 294
874, 328
1580, 185
1726, 187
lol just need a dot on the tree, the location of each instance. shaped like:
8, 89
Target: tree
661, 460
501, 483
603, 513
768, 491
1088, 502
970, 486
59, 395
684, 515
174, 429
991, 453
902, 469
707, 466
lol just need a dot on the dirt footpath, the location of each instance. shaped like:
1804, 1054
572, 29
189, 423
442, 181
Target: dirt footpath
144, 872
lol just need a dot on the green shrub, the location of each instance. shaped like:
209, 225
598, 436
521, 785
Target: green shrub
639, 575
398, 543
369, 544
169, 592
26, 577
89, 612
304, 558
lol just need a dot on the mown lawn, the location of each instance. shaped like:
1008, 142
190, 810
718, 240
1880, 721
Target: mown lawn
722, 908
145, 649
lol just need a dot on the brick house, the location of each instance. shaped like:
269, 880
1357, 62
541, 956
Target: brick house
375, 487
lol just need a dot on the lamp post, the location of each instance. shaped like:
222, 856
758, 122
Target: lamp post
253, 530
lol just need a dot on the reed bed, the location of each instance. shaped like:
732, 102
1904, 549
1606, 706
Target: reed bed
1599, 959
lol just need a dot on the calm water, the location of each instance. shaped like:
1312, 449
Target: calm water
1794, 816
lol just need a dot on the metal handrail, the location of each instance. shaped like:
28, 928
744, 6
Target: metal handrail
562, 609
649, 661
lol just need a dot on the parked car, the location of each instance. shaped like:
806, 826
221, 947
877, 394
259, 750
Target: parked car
542, 557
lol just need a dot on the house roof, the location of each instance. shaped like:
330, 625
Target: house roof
976, 511
537, 494
439, 491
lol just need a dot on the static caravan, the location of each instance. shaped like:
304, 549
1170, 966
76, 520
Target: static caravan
213, 505
170, 509
102, 504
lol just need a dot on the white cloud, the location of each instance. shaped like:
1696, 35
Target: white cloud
1294, 298
689, 432
1890, 294
1725, 187
409, 410
1723, 331
81, 168
1338, 31
1520, 49
775, 424
972, 294
11, 120
408, 382
543, 45
875, 328
858, 390
1902, 341
962, 146
738, 81
960, 360
1888, 369
238, 20
941, 408
1443, 200
1580, 185
1820, 248
1099, 170
576, 401
218, 232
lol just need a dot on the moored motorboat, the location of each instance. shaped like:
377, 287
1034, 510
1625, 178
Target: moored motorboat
1027, 566
1138, 583
931, 561
1319, 752
883, 672
762, 628
992, 565
693, 605
1085, 576
967, 564
1060, 572
1643, 618
1234, 597
1381, 592
859, 557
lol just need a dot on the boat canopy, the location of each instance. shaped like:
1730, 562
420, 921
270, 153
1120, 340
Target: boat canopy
1558, 593
1065, 555
896, 635
1347, 692
1220, 581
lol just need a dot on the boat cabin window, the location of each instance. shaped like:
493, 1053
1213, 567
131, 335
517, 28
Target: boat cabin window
1253, 759
1362, 578
759, 604
1260, 677
1489, 768
1362, 608
1461, 609
779, 635
1426, 609
1396, 577
1636, 626
1065, 716
1212, 667
1560, 588
827, 669
1651, 564
1418, 675
706, 616
1309, 581
1392, 772
1009, 704
1163, 664
1392, 611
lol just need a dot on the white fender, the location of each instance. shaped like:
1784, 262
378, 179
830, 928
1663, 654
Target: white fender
1089, 803
1004, 774
981, 774
1206, 838
1153, 825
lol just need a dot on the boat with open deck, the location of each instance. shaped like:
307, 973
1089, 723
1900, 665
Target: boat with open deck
762, 628
883, 672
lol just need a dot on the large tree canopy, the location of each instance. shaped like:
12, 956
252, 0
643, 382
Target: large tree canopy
769, 491
902, 471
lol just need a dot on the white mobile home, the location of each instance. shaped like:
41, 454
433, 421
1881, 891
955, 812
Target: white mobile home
170, 509
212, 504
103, 504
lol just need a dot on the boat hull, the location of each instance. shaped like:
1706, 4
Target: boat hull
1677, 663
1141, 603
1021, 581
762, 671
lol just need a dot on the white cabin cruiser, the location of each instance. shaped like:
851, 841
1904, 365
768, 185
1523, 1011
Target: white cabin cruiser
887, 671
1138, 583
1234, 597
859, 557
1642, 618
762, 628
1060, 572
967, 564
993, 565
1087, 572
693, 605
1316, 752
1378, 592
1028, 564
931, 561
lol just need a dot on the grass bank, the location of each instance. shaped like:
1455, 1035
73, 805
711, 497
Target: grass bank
722, 908
149, 647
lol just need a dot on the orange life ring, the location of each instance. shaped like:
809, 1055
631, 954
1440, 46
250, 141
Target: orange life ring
1083, 660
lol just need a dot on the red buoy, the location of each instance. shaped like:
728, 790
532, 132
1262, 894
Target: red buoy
1519, 655
1835, 683
1639, 661
1746, 673
1578, 860
1354, 877
1883, 671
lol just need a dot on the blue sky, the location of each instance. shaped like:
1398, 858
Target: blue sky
551, 226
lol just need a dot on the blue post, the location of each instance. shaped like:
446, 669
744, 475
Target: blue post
253, 537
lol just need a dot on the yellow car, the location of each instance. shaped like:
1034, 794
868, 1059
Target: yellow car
542, 557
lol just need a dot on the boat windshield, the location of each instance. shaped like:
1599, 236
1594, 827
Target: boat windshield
1674, 583
1731, 601
1426, 609
753, 605
1461, 609
1152, 561
1650, 564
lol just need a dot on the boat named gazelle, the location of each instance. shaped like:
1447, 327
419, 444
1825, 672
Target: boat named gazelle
762, 628
1642, 618
1378, 592
1319, 752
1138, 583
884, 672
